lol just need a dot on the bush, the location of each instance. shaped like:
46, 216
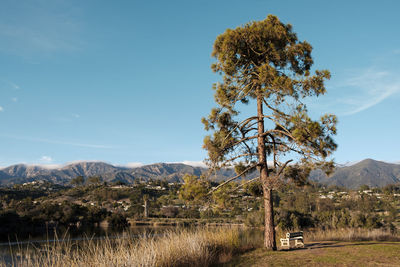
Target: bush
117, 221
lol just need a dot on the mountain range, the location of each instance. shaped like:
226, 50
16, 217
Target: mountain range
367, 172
172, 172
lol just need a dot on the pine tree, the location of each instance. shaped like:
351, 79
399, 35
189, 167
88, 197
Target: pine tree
264, 65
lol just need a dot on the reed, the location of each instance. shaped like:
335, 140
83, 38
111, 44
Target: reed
200, 247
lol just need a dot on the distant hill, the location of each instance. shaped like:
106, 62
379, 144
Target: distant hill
367, 172
172, 172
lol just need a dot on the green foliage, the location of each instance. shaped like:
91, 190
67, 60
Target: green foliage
223, 196
254, 188
293, 220
193, 188
265, 61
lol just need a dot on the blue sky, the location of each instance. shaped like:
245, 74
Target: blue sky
128, 81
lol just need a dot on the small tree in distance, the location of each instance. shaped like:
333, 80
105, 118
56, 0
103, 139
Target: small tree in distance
263, 63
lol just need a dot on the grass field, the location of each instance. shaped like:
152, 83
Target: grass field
326, 253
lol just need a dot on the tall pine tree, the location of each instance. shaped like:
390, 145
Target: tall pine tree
263, 64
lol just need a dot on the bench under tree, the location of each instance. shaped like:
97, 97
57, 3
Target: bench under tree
297, 237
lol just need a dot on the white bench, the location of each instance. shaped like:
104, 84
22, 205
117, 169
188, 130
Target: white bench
297, 237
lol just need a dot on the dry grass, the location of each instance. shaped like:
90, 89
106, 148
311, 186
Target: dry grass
201, 247
328, 253
351, 234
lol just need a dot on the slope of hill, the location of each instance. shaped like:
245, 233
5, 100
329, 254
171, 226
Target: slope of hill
367, 172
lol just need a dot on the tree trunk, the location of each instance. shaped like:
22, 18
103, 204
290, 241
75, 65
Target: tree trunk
269, 230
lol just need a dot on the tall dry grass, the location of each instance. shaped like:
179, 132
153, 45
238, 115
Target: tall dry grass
201, 247
351, 234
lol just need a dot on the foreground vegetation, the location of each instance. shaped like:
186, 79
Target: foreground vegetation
213, 246
202, 247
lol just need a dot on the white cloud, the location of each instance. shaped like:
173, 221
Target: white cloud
133, 165
48, 166
46, 159
1, 108
14, 99
195, 163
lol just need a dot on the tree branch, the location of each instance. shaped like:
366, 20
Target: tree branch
241, 155
284, 166
244, 122
276, 110
231, 179
242, 185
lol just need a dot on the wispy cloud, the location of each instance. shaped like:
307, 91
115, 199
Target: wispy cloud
364, 89
14, 99
1, 109
375, 85
57, 142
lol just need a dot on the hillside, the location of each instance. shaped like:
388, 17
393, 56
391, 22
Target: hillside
367, 172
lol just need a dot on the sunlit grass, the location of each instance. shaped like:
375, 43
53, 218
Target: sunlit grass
200, 247
351, 234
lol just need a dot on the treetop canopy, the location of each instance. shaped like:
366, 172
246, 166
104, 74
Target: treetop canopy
265, 61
